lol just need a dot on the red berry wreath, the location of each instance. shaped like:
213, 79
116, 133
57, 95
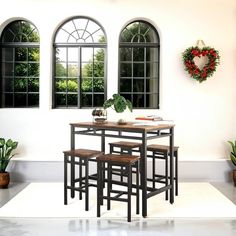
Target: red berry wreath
208, 69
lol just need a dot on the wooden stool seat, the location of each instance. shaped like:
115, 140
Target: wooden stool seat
83, 153
161, 148
118, 159
123, 144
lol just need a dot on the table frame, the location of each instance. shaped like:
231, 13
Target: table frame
136, 132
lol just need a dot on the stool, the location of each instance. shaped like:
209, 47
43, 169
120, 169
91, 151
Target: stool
163, 152
124, 148
84, 156
126, 161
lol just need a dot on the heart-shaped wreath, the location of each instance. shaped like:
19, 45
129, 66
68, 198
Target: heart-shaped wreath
213, 59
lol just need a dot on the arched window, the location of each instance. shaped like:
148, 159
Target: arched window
79, 64
139, 50
19, 49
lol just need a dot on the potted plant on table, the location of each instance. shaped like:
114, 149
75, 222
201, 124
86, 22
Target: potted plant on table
119, 104
233, 158
6, 148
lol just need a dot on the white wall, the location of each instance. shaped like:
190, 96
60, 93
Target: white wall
204, 113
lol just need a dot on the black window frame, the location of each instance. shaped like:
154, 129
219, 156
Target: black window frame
132, 95
79, 46
19, 41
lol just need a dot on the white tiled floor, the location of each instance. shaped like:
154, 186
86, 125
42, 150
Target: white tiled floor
117, 227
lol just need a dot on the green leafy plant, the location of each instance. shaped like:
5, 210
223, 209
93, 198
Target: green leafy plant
233, 152
118, 103
6, 148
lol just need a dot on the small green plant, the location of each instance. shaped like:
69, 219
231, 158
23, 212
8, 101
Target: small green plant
233, 152
118, 103
6, 148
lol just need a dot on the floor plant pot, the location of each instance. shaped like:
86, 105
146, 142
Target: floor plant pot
4, 180
234, 177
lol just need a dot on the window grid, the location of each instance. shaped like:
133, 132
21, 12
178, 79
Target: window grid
19, 65
89, 73
139, 72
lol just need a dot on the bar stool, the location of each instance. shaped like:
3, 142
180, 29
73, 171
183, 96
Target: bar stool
111, 160
123, 148
163, 152
84, 156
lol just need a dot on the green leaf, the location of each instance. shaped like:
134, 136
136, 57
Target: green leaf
108, 103
233, 158
129, 105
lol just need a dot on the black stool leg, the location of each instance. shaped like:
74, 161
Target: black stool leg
166, 173
86, 185
176, 172
109, 178
65, 179
137, 187
99, 187
72, 178
129, 191
153, 170
80, 176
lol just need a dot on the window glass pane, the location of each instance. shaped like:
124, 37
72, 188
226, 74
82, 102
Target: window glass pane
21, 54
87, 55
73, 70
72, 85
33, 69
20, 100
99, 54
138, 85
138, 100
98, 85
98, 69
33, 100
7, 54
20, 85
125, 54
152, 85
152, 100
21, 69
139, 54
61, 70
8, 84
33, 85
33, 54
87, 85
73, 55
125, 69
86, 100
7, 69
98, 100
8, 100
152, 69
72, 100
61, 55
138, 70
61, 85
61, 99
126, 85
152, 54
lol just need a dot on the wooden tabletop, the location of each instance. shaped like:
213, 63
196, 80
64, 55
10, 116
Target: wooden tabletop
132, 126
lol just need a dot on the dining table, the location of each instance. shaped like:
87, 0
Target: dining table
143, 131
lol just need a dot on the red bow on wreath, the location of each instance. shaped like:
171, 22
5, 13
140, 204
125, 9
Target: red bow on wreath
213, 59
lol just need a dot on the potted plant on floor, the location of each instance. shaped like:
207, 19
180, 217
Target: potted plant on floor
6, 148
119, 104
233, 158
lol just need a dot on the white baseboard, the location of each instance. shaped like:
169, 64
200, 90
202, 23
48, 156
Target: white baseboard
52, 171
